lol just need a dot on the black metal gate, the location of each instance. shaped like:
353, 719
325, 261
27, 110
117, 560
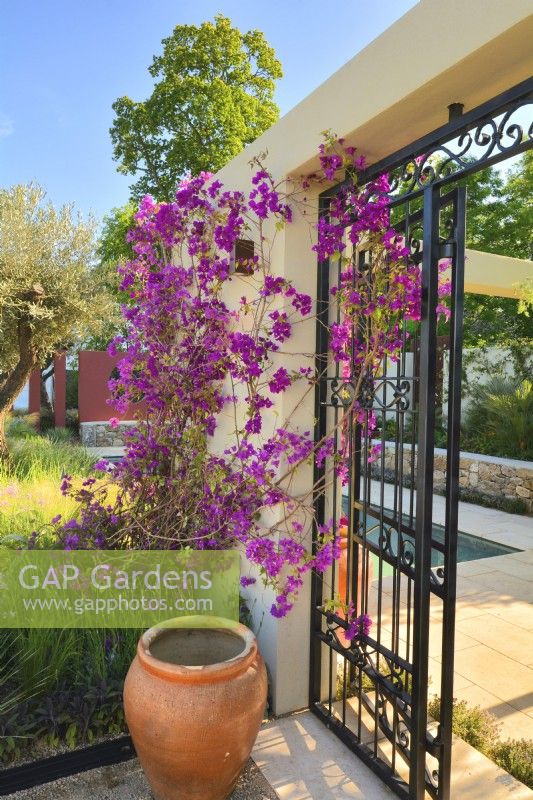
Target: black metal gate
400, 565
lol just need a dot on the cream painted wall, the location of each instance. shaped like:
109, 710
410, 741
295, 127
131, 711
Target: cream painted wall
399, 86
392, 92
291, 256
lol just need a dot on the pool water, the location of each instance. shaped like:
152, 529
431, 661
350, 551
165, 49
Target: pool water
469, 547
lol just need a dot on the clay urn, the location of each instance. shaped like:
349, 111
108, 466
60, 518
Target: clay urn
343, 573
194, 698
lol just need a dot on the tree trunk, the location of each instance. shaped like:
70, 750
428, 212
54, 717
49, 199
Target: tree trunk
4, 450
16, 380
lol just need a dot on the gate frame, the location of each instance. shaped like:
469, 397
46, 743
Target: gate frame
479, 129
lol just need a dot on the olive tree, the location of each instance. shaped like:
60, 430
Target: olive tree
49, 299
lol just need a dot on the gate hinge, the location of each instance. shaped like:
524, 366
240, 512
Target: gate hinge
446, 249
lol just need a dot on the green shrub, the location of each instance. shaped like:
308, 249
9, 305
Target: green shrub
481, 730
516, 757
499, 419
355, 678
72, 421
21, 427
512, 505
60, 435
61, 687
473, 725
72, 388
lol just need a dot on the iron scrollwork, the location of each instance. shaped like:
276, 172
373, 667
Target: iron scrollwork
487, 139
367, 394
490, 137
342, 393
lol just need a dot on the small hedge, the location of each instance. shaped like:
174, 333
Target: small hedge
512, 505
516, 757
481, 730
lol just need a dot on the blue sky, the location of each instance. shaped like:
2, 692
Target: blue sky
64, 62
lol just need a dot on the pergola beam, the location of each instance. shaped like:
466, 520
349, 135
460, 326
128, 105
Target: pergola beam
499, 276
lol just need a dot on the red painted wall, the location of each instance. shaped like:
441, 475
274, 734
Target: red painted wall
95, 368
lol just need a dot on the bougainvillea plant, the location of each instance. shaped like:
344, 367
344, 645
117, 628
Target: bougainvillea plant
190, 357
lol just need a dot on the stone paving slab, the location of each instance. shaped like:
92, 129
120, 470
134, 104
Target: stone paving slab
498, 674
303, 760
475, 777
126, 781
498, 633
524, 556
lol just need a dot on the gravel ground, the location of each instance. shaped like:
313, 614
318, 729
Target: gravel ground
126, 782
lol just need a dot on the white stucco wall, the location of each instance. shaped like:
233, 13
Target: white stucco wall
392, 92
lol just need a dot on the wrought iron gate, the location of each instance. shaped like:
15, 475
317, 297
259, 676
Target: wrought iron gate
400, 566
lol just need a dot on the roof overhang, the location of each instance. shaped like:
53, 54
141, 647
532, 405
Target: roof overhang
398, 87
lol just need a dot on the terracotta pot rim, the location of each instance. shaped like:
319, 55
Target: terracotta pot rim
204, 673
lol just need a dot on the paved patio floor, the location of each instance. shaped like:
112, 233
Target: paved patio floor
302, 760
296, 758
494, 619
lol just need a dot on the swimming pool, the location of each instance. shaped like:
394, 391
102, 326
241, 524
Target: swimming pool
469, 547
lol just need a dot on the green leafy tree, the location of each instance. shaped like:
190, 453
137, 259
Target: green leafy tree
525, 302
213, 95
501, 209
112, 243
49, 296
112, 249
500, 220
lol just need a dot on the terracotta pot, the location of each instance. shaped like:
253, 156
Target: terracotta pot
342, 574
194, 698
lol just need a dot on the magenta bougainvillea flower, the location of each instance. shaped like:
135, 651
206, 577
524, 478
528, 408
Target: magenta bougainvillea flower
190, 357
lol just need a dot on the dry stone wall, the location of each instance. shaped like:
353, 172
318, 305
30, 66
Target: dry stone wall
486, 475
102, 434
